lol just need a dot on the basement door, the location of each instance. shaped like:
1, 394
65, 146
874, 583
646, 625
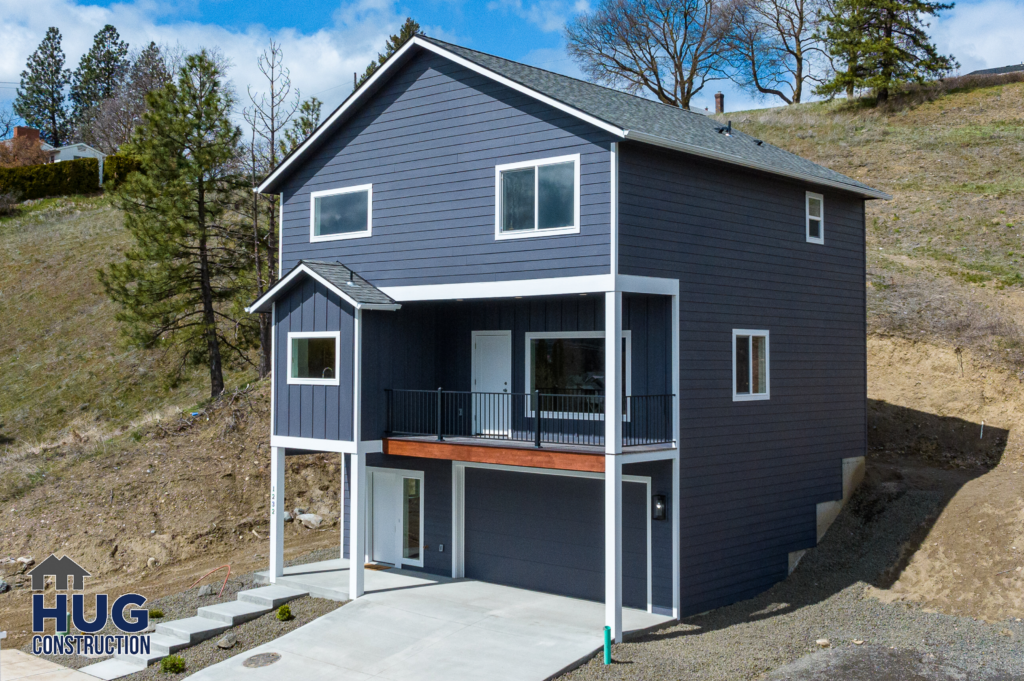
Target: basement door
396, 517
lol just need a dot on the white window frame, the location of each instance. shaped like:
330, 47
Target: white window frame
402, 473
535, 232
747, 397
313, 196
298, 335
820, 239
530, 336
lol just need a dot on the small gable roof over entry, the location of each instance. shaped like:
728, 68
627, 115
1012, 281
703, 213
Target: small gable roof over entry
338, 279
626, 116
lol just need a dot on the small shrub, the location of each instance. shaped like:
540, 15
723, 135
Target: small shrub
284, 613
156, 613
172, 664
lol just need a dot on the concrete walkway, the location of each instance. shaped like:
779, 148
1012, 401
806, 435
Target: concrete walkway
16, 665
408, 627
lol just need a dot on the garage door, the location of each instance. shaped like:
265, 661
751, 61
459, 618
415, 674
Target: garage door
546, 533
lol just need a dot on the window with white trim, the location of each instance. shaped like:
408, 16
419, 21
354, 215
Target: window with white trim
750, 361
345, 213
815, 218
313, 357
538, 198
571, 364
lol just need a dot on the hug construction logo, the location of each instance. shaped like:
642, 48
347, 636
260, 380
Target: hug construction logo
69, 576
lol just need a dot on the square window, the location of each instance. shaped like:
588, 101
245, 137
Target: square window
538, 198
750, 365
341, 213
815, 218
313, 358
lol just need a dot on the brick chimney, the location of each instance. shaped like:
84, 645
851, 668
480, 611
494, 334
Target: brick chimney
27, 133
719, 103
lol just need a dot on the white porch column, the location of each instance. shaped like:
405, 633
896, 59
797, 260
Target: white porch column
276, 513
612, 464
357, 526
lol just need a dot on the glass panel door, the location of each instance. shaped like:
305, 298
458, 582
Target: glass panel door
411, 507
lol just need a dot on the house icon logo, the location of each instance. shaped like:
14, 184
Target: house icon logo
62, 570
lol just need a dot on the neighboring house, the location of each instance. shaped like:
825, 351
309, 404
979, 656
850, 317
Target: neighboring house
73, 152
566, 338
998, 70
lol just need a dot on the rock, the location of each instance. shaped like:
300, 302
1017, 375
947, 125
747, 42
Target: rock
297, 512
927, 658
823, 643
26, 560
310, 520
227, 641
151, 563
4, 587
858, 642
288, 516
206, 590
1006, 632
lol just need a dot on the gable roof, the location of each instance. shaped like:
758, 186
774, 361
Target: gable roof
339, 279
999, 70
626, 116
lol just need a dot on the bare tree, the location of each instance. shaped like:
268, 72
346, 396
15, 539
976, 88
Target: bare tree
670, 48
7, 122
268, 115
775, 48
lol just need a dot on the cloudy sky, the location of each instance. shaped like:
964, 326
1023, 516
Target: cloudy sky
325, 42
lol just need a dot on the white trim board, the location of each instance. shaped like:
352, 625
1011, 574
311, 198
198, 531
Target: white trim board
522, 288
312, 444
305, 269
459, 501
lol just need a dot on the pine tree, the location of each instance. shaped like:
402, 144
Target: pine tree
394, 43
99, 73
40, 99
181, 280
302, 126
882, 45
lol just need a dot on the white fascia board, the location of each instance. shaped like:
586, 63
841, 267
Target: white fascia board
523, 288
736, 160
303, 269
314, 444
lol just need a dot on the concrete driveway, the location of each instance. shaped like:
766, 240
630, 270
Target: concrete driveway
445, 630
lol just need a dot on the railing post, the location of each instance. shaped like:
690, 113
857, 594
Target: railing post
536, 419
440, 433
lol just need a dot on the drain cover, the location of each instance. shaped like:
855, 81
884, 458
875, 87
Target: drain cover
261, 660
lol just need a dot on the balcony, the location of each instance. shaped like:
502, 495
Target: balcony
566, 424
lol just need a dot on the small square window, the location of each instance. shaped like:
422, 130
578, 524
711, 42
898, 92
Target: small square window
815, 218
750, 365
313, 358
341, 213
538, 198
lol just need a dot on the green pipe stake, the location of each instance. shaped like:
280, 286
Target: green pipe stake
67, 626
607, 645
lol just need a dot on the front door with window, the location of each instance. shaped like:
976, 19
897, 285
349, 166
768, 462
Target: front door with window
492, 382
396, 522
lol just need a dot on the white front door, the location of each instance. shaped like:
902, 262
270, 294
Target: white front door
492, 382
387, 518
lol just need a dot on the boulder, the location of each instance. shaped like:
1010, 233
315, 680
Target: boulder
4, 587
288, 516
206, 590
310, 520
297, 512
151, 563
228, 641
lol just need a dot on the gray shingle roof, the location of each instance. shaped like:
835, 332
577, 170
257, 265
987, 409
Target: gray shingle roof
686, 129
999, 70
354, 286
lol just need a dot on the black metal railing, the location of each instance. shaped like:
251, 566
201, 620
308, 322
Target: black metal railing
561, 419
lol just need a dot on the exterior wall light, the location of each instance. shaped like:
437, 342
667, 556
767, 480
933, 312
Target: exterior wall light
658, 507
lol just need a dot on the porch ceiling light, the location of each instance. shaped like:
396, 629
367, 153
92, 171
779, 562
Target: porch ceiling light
658, 507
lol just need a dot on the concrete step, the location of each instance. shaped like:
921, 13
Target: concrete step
165, 645
233, 612
141, 660
271, 596
113, 668
192, 629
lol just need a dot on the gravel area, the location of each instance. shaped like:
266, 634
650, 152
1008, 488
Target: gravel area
825, 599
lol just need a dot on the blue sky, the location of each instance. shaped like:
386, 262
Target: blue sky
325, 42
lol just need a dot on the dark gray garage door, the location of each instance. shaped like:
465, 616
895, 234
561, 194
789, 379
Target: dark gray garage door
546, 532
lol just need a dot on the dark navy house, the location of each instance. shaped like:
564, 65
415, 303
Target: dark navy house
565, 338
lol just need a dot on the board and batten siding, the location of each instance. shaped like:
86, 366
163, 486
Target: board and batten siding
323, 412
429, 142
752, 472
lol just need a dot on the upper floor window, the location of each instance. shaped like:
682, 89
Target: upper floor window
345, 213
815, 218
750, 374
313, 357
538, 198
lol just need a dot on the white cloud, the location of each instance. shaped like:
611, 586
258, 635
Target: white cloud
548, 15
321, 63
983, 34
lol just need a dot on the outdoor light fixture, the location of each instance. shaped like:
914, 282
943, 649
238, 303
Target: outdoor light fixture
658, 507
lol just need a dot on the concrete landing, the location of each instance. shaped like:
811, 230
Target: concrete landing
329, 579
111, 669
16, 665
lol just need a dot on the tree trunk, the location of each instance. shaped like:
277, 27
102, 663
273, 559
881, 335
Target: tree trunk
266, 329
209, 318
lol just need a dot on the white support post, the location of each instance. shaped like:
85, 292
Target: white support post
676, 558
677, 443
357, 526
276, 513
3, 635
341, 499
612, 464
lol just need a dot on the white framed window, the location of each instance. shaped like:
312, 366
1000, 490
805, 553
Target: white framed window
537, 198
750, 365
313, 357
345, 213
815, 218
571, 363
